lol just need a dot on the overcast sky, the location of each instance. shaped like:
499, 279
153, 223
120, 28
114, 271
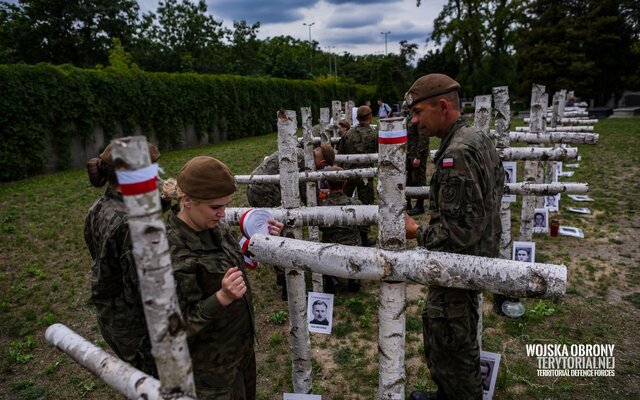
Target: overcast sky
349, 25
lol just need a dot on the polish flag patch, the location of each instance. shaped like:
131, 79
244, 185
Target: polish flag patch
447, 162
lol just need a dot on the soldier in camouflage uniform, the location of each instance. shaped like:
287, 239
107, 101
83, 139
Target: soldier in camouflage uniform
268, 194
212, 285
114, 280
360, 139
466, 193
417, 153
336, 234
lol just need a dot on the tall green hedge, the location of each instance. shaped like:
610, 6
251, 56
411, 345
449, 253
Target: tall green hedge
42, 107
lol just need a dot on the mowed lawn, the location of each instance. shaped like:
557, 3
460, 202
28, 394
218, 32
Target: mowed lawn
45, 278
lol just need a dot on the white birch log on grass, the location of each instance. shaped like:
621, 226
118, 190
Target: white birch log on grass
310, 176
521, 188
120, 375
559, 129
553, 137
508, 277
322, 216
296, 288
153, 265
311, 186
482, 116
392, 149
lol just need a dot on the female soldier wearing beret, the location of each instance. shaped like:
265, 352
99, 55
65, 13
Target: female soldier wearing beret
213, 290
114, 280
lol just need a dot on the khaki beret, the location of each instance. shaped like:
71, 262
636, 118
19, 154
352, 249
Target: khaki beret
363, 111
428, 86
205, 178
153, 152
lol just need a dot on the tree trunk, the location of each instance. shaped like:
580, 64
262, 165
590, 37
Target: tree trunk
296, 289
316, 216
153, 264
312, 199
392, 236
482, 116
511, 278
309, 176
120, 375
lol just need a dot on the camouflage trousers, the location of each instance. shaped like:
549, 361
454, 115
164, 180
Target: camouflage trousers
450, 323
416, 176
241, 382
130, 345
365, 191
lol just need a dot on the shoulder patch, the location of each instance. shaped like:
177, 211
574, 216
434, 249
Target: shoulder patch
447, 162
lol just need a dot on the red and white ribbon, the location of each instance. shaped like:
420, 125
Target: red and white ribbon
140, 181
392, 137
248, 262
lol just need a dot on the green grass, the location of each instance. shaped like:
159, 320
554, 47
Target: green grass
45, 278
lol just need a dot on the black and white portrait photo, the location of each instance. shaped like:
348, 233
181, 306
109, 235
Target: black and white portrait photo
510, 171
552, 203
320, 312
541, 220
524, 251
489, 365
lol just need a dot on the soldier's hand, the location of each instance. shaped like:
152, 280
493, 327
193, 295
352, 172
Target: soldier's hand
411, 227
416, 162
275, 227
233, 286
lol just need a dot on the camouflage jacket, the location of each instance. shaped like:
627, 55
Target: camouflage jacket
417, 143
219, 336
342, 235
466, 193
359, 139
114, 280
268, 194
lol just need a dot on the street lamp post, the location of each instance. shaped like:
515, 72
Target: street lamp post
385, 41
310, 45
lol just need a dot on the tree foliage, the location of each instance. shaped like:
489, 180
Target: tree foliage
77, 32
580, 45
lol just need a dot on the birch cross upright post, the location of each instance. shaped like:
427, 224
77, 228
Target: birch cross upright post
138, 179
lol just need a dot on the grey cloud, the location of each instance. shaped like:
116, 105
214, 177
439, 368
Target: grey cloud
352, 21
263, 11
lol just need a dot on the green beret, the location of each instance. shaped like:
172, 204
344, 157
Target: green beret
363, 111
153, 152
205, 178
430, 86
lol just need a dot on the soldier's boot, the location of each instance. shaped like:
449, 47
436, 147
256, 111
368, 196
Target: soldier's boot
418, 209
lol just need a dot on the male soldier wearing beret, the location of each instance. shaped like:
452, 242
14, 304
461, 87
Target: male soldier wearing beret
466, 191
360, 139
